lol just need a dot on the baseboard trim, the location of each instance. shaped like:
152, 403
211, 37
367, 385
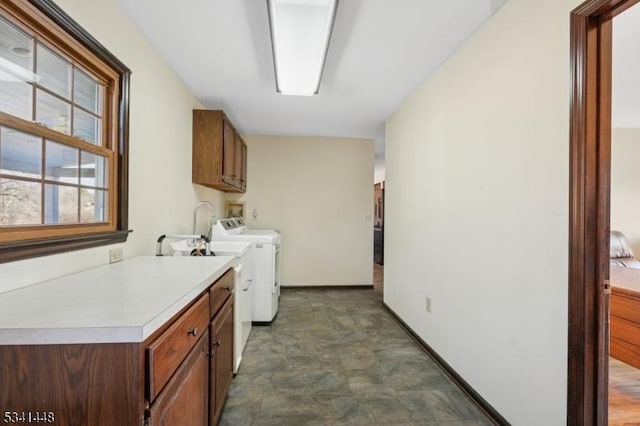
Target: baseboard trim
327, 287
465, 387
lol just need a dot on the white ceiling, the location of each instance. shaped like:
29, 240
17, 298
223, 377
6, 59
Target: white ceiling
380, 52
626, 69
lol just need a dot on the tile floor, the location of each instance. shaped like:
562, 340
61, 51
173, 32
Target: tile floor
335, 357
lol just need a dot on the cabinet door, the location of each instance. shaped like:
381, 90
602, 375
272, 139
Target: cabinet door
238, 162
228, 154
222, 359
184, 401
243, 166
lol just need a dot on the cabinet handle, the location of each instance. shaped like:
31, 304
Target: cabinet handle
216, 343
193, 332
227, 288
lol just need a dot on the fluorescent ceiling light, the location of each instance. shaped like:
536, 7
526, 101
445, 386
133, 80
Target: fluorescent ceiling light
15, 73
300, 34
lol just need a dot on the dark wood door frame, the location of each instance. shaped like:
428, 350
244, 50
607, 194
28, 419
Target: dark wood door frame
590, 170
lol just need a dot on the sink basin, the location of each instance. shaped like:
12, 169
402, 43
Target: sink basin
219, 248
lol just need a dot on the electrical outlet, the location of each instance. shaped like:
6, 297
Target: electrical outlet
428, 304
115, 255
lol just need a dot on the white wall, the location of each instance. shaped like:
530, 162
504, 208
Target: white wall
476, 218
378, 174
625, 185
162, 196
316, 192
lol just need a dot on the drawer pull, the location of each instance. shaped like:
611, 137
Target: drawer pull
217, 342
193, 332
227, 288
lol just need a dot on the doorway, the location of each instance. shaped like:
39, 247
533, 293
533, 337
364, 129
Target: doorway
624, 271
589, 212
378, 239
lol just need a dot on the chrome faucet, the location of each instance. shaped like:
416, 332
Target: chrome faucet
195, 217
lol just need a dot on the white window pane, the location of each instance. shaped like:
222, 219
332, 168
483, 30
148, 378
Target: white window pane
20, 202
61, 204
16, 53
61, 163
86, 126
54, 71
87, 92
94, 170
93, 205
16, 69
16, 99
53, 112
20, 153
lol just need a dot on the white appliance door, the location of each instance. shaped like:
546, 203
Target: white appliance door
237, 317
276, 270
247, 302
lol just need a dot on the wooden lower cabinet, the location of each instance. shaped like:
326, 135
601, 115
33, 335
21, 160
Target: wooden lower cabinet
75, 384
179, 376
221, 369
184, 401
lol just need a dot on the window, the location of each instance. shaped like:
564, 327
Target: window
63, 135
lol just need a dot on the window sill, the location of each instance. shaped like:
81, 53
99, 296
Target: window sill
29, 249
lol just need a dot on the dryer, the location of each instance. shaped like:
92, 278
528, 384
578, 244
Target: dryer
266, 264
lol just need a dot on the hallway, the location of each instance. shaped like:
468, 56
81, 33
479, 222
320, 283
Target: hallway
378, 280
335, 357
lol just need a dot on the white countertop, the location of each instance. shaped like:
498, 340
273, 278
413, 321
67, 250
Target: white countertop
118, 303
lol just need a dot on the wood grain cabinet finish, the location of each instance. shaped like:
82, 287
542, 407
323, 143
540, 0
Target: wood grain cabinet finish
625, 315
221, 368
84, 384
185, 399
219, 154
240, 163
166, 352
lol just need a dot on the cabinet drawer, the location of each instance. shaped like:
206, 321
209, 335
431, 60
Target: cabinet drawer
221, 290
167, 352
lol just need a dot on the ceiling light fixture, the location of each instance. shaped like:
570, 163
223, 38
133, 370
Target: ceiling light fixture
300, 34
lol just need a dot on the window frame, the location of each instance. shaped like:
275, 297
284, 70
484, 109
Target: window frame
59, 30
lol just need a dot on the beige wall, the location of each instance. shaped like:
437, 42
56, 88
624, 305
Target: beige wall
162, 196
477, 174
316, 192
625, 185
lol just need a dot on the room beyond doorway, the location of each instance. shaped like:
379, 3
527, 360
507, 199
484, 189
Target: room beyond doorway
378, 280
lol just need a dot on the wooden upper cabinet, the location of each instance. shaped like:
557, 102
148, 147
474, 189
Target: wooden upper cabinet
219, 153
228, 154
240, 163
